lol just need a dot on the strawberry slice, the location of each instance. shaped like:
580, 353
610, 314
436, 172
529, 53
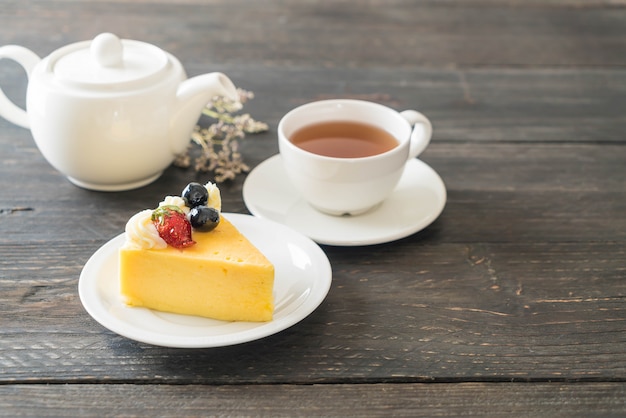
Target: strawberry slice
173, 226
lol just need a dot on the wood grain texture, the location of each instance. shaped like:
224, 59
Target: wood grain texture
512, 303
392, 34
409, 311
477, 105
413, 400
496, 192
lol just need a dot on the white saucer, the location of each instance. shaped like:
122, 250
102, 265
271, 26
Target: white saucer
302, 280
417, 201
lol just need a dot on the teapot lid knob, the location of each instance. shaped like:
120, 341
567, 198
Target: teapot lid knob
107, 50
110, 63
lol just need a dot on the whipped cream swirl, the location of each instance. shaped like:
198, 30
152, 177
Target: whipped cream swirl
215, 198
141, 232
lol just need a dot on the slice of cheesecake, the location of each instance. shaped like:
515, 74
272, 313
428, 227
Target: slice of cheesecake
223, 276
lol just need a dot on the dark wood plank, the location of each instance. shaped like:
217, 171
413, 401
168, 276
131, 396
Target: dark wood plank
478, 105
409, 311
496, 193
416, 400
401, 33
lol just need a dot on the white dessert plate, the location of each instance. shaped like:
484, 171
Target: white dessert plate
302, 280
414, 204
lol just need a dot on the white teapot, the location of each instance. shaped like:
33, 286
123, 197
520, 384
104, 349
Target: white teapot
110, 114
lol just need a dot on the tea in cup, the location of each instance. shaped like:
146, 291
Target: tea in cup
346, 156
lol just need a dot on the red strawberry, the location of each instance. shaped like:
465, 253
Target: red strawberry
173, 226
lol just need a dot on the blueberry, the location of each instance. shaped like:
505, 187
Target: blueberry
195, 194
203, 218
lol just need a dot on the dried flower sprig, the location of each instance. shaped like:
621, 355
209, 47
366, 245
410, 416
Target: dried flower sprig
219, 146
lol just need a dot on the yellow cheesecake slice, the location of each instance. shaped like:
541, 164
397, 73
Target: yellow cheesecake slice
223, 276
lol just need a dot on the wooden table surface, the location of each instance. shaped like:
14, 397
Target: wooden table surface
512, 303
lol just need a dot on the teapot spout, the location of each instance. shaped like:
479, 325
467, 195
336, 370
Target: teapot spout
192, 96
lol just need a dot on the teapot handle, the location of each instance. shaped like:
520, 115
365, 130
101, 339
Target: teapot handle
27, 59
421, 134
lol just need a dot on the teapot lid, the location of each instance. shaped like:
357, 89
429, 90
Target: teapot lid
107, 61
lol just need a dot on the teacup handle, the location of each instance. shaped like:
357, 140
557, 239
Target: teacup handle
27, 59
421, 134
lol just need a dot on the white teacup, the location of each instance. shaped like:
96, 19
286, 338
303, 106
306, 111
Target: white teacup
350, 185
